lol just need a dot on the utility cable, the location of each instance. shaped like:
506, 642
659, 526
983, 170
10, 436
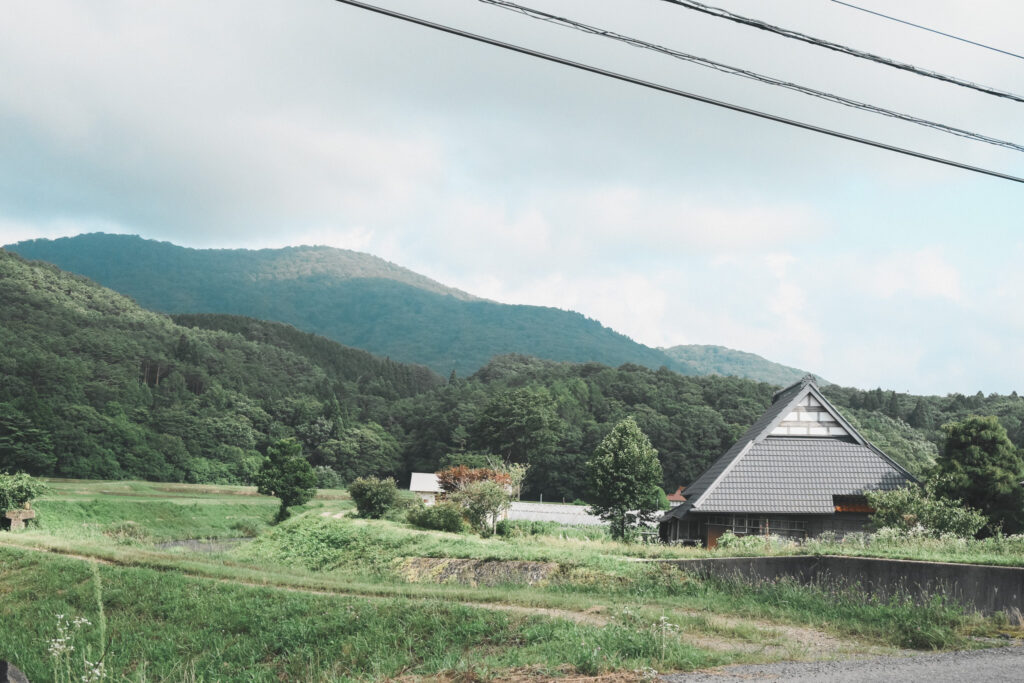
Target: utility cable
672, 91
764, 26
736, 71
932, 30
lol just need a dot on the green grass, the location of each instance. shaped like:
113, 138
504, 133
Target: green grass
164, 626
176, 614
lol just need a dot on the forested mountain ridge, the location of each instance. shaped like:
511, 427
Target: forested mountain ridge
355, 299
705, 359
92, 385
122, 262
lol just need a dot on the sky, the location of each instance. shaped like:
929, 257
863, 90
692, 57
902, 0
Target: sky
264, 124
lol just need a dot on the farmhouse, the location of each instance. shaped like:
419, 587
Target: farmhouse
800, 470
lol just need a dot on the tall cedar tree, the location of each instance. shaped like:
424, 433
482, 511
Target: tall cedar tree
286, 475
623, 475
980, 465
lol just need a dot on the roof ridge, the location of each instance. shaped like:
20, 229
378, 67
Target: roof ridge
802, 382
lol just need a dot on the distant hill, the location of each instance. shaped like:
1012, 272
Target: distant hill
355, 299
94, 386
719, 360
366, 302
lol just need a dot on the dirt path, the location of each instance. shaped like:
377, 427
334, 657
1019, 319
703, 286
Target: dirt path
702, 629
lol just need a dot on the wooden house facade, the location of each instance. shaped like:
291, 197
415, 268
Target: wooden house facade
799, 471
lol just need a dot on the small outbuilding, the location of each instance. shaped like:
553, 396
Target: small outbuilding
800, 470
426, 486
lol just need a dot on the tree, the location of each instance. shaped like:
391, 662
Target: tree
373, 497
912, 506
285, 474
519, 425
980, 465
456, 478
622, 475
482, 501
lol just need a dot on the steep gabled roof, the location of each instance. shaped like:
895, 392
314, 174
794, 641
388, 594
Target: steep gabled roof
785, 465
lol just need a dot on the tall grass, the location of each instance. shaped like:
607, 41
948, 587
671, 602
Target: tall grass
163, 624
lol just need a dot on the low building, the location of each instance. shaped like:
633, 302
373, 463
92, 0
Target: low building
677, 497
800, 470
426, 486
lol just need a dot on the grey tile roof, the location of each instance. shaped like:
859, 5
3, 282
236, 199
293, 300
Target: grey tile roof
764, 473
800, 475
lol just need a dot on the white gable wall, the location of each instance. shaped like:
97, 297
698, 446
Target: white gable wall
810, 418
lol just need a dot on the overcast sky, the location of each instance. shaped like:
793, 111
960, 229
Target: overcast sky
259, 123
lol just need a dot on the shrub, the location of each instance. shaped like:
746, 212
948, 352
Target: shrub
404, 502
482, 502
16, 490
373, 497
445, 516
912, 507
753, 543
327, 477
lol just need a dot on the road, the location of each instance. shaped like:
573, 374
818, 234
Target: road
998, 664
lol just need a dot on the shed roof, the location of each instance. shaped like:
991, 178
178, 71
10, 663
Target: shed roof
779, 473
424, 482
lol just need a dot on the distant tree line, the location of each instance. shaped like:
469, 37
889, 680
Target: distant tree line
93, 386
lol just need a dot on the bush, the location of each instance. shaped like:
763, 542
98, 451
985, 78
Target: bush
373, 497
912, 507
16, 490
445, 516
404, 502
328, 478
753, 543
482, 502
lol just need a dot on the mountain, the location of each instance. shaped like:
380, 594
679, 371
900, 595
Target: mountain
719, 360
92, 385
360, 301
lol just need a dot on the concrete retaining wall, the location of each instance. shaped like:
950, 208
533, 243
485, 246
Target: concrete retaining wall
984, 588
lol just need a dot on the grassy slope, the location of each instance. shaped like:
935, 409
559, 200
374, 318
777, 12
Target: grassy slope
174, 614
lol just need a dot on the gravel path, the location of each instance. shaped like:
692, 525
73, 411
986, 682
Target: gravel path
998, 664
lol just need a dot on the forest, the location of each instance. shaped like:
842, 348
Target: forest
94, 386
363, 301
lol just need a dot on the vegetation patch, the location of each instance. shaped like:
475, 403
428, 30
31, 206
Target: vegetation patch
476, 572
167, 627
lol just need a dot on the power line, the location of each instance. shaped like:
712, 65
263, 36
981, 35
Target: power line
932, 30
795, 35
672, 91
736, 71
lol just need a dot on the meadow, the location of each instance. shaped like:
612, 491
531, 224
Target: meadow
327, 596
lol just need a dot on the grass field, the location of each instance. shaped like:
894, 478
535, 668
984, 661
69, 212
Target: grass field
327, 596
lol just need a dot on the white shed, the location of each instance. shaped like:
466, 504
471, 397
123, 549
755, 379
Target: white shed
425, 485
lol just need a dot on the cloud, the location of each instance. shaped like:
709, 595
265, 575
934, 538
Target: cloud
922, 273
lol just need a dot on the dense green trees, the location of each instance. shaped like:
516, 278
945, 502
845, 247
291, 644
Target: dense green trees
982, 467
93, 386
623, 475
